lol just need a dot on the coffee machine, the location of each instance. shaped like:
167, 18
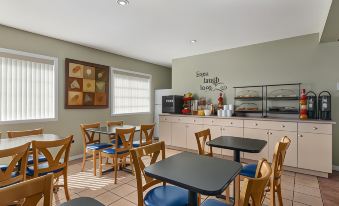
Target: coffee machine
312, 105
324, 104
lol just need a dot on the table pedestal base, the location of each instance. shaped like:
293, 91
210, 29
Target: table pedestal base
192, 198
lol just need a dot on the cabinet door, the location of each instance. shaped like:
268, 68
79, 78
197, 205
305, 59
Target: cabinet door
191, 140
165, 132
315, 152
257, 134
179, 135
231, 131
291, 158
215, 132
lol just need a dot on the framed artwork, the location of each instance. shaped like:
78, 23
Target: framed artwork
87, 85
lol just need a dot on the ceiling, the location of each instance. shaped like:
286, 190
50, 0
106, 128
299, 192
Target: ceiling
331, 30
158, 31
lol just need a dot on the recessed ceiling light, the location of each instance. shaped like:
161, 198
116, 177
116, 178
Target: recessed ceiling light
193, 41
123, 2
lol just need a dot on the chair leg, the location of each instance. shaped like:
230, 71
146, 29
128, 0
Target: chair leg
227, 195
279, 195
115, 160
272, 196
94, 163
83, 161
100, 164
66, 186
199, 199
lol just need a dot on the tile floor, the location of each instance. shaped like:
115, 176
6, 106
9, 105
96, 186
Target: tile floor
298, 189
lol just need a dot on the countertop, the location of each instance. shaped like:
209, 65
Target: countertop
256, 118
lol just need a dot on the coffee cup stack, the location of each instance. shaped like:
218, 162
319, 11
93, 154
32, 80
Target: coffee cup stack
227, 111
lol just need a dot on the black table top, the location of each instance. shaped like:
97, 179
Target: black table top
111, 130
238, 143
197, 173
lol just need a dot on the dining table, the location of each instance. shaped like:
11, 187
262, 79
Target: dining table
8, 143
111, 130
197, 173
238, 145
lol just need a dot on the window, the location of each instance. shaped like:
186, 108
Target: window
131, 92
28, 87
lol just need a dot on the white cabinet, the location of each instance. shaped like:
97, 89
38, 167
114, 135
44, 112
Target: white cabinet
291, 158
165, 132
261, 134
190, 134
315, 152
231, 131
179, 135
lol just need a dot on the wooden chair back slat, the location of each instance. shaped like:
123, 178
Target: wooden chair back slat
253, 189
89, 137
279, 158
202, 137
13, 134
120, 136
146, 131
53, 163
154, 150
31, 192
115, 123
19, 157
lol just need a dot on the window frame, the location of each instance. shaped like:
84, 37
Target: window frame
112, 69
56, 80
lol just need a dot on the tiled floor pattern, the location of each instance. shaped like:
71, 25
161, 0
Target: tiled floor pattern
298, 189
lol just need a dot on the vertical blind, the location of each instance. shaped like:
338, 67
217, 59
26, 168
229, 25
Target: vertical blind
131, 93
27, 89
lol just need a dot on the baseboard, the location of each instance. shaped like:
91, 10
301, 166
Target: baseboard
75, 157
335, 167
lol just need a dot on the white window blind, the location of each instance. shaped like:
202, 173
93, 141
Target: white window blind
27, 86
131, 92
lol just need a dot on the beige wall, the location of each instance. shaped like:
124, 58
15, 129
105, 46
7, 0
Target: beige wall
299, 59
70, 119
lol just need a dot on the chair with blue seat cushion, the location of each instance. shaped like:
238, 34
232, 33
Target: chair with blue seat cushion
146, 135
56, 164
164, 195
118, 153
253, 189
114, 124
92, 144
249, 170
15, 171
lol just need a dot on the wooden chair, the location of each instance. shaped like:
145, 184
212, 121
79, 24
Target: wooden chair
277, 169
118, 153
30, 192
146, 131
253, 189
92, 144
112, 124
15, 171
57, 165
202, 137
160, 195
15, 134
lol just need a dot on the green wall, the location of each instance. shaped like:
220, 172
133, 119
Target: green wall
70, 119
300, 59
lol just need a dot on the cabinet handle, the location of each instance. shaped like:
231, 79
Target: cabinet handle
193, 120
267, 133
271, 133
283, 126
300, 135
256, 124
231, 123
315, 128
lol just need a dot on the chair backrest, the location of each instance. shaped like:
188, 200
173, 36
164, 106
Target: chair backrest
13, 134
280, 150
146, 131
115, 123
11, 174
57, 163
154, 150
121, 142
202, 137
254, 188
89, 137
31, 191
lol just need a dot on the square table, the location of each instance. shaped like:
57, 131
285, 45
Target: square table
196, 173
111, 130
238, 144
